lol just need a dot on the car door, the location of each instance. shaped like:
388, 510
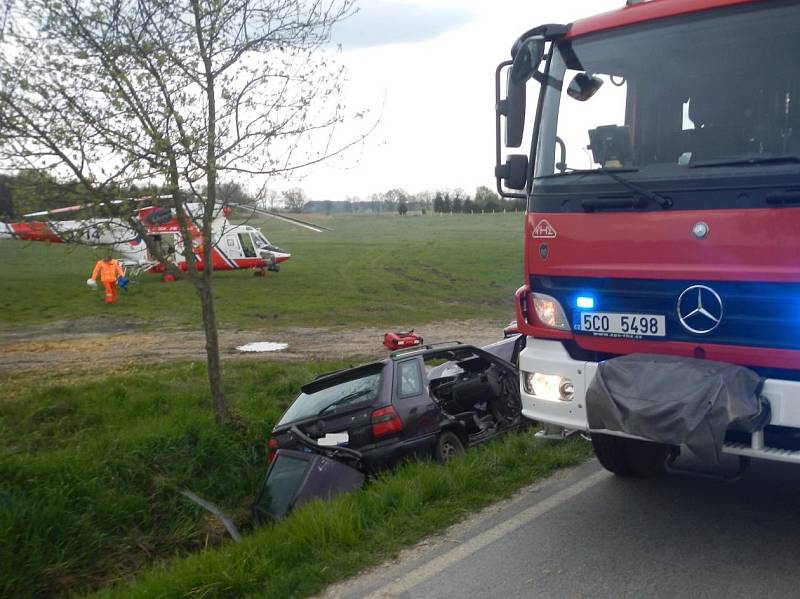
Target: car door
411, 399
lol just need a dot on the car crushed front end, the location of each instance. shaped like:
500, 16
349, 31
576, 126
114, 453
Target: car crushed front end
427, 401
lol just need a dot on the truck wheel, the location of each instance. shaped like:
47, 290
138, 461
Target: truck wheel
630, 457
448, 446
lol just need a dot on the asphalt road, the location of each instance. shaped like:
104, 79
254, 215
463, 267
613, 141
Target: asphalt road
587, 533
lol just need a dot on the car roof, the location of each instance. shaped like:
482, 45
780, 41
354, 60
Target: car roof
430, 348
395, 356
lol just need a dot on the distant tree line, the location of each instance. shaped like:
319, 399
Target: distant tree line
29, 191
436, 201
35, 190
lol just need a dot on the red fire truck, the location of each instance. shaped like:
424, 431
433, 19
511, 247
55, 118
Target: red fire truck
663, 215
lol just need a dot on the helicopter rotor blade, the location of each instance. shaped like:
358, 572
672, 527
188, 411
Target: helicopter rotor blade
64, 210
283, 217
78, 207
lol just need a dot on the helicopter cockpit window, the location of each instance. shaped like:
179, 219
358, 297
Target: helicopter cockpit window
248, 248
260, 241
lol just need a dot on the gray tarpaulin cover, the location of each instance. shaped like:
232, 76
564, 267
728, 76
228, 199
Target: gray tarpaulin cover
674, 400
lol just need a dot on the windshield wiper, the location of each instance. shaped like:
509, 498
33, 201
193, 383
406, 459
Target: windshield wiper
744, 161
600, 203
343, 400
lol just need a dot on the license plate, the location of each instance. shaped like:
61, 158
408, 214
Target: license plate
621, 324
334, 439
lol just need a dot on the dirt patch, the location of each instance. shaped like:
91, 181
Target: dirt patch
91, 325
79, 347
404, 274
439, 274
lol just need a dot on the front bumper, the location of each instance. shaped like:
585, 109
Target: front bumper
550, 357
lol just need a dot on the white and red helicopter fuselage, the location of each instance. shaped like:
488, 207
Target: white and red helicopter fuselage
234, 246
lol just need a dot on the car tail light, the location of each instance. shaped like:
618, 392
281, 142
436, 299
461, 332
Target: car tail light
385, 421
272, 447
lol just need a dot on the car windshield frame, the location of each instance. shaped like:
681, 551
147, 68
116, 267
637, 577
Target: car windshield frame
318, 398
659, 175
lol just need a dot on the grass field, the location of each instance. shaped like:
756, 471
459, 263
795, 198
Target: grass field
90, 467
91, 461
368, 270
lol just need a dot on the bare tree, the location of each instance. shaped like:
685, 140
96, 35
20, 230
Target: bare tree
176, 94
294, 199
266, 198
394, 197
425, 199
231, 192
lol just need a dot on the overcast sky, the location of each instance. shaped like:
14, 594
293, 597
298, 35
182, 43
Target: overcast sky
428, 67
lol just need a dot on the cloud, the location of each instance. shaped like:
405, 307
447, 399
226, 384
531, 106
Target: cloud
381, 22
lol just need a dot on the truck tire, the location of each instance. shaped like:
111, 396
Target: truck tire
630, 457
448, 446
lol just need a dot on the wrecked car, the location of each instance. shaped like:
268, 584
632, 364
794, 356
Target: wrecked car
431, 400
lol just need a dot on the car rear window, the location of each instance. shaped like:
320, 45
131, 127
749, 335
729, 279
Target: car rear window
332, 396
281, 486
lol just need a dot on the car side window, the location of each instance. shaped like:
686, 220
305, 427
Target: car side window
410, 378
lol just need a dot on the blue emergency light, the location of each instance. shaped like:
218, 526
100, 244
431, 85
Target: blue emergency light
585, 302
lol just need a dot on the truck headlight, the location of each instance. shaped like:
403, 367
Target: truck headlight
548, 386
549, 312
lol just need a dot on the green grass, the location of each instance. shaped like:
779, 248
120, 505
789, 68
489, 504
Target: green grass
90, 464
369, 270
322, 543
89, 469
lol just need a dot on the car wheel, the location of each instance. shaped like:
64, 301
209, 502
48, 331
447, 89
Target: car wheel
448, 446
630, 457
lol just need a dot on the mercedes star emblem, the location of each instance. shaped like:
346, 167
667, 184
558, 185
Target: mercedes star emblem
700, 230
699, 309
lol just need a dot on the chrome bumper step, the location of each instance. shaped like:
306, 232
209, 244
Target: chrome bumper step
764, 453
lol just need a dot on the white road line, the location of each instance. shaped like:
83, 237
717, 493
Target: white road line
455, 555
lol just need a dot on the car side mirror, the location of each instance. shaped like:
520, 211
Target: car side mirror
514, 172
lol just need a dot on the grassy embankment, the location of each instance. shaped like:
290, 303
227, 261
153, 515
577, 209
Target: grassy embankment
370, 270
89, 470
90, 463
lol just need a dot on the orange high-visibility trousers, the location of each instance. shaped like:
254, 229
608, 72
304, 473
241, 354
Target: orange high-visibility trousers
111, 291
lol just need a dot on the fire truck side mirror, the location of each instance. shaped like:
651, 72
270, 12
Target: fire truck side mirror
526, 57
583, 86
513, 108
514, 172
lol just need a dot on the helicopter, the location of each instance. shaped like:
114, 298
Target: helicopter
235, 247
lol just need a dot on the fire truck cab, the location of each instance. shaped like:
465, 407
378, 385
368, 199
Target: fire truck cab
662, 177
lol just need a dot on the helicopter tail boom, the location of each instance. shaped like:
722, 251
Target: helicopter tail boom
30, 231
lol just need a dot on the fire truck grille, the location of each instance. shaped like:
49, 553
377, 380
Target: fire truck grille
748, 313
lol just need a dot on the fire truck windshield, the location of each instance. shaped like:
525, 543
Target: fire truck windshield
674, 101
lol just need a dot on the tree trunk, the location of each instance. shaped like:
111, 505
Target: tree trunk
209, 212
212, 351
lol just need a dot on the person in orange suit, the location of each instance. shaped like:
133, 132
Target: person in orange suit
108, 270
